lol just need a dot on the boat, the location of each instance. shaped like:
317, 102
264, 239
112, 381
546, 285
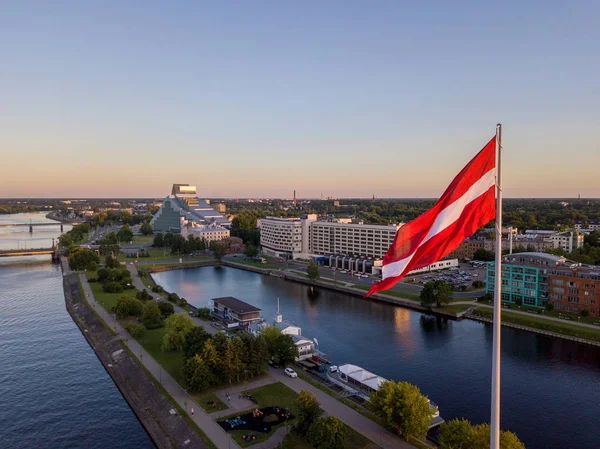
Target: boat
359, 382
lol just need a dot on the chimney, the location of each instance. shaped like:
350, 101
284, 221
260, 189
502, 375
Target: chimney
294, 198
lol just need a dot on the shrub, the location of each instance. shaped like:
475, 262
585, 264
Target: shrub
182, 302
136, 330
143, 295
157, 289
112, 287
102, 275
166, 308
549, 307
203, 313
128, 306
151, 316
585, 312
173, 297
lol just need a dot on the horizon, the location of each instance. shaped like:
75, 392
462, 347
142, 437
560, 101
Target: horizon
103, 100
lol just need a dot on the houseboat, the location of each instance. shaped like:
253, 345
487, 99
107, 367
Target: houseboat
360, 382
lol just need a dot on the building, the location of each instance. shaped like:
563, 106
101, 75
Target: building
234, 312
220, 207
184, 204
568, 240
467, 249
535, 279
285, 237
586, 228
233, 245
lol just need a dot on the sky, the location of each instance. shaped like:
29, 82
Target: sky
260, 98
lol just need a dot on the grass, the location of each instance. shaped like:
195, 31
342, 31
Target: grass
272, 395
543, 324
208, 396
251, 263
143, 239
354, 440
172, 362
107, 300
395, 293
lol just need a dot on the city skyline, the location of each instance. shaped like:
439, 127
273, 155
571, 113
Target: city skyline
243, 102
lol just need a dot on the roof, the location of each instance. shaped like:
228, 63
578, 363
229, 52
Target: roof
362, 375
550, 257
236, 305
299, 339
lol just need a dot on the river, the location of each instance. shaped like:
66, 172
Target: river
54, 392
550, 387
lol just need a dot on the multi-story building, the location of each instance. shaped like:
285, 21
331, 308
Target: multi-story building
209, 233
568, 240
184, 204
285, 237
586, 228
535, 279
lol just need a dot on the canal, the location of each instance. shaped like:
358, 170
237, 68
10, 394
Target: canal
54, 392
550, 387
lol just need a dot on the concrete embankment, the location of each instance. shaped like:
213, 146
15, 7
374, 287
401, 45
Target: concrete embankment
146, 400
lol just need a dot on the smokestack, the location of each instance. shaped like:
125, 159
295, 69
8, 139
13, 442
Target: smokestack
294, 198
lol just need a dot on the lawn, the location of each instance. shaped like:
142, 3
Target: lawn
251, 263
543, 324
395, 293
271, 395
354, 440
108, 300
172, 362
208, 396
143, 239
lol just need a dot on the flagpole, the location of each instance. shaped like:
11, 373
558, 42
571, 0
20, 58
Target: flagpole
495, 419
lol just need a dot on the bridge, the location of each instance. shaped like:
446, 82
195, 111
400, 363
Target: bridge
40, 249
26, 252
31, 225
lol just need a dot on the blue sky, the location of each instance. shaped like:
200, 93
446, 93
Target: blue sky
261, 98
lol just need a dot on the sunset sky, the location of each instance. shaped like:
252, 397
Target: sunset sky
256, 99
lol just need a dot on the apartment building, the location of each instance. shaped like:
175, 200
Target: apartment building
285, 237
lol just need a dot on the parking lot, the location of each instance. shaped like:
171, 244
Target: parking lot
462, 277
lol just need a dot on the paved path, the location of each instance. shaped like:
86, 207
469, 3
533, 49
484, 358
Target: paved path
236, 403
363, 425
544, 317
214, 432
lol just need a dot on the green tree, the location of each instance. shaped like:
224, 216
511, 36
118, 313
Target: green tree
136, 330
168, 239
549, 306
194, 341
238, 367
111, 262
82, 259
177, 325
478, 284
327, 433
197, 374
585, 312
402, 406
313, 270
218, 250
281, 347
456, 434
213, 359
128, 306
146, 229
487, 297
251, 250
436, 292
151, 316
143, 295
166, 309
124, 234
158, 241
309, 410
484, 255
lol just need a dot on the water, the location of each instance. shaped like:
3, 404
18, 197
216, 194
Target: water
550, 387
21, 238
54, 392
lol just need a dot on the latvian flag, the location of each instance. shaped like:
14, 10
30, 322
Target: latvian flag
467, 204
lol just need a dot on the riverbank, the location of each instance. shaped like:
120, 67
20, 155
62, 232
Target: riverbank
167, 430
457, 312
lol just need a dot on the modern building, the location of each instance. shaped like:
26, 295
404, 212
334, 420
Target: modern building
568, 240
234, 312
535, 279
209, 233
285, 237
184, 204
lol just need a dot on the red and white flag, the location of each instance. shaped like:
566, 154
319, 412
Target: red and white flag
467, 204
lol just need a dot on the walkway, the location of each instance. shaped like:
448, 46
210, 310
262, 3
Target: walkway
212, 430
236, 403
363, 425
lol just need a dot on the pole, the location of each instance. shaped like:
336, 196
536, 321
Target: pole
510, 237
495, 419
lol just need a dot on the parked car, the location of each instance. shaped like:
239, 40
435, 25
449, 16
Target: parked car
192, 314
364, 276
272, 364
290, 373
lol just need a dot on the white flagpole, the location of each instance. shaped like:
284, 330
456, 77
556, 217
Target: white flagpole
495, 420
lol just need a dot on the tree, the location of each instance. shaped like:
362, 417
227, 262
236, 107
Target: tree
158, 241
487, 297
128, 306
585, 312
309, 410
124, 234
313, 271
168, 239
402, 406
203, 313
194, 341
238, 366
549, 307
327, 433
111, 262
166, 309
178, 244
212, 359
196, 374
177, 325
218, 250
280, 346
478, 284
82, 259
456, 434
251, 250
112, 287
146, 229
143, 295
436, 292
151, 316
484, 255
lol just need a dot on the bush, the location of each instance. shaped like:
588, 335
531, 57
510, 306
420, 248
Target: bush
112, 287
478, 284
166, 308
585, 312
157, 289
128, 306
142, 272
182, 302
173, 297
102, 275
203, 313
136, 330
485, 298
91, 266
151, 316
549, 307
143, 295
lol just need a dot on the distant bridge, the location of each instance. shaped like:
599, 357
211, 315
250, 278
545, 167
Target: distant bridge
26, 252
31, 225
